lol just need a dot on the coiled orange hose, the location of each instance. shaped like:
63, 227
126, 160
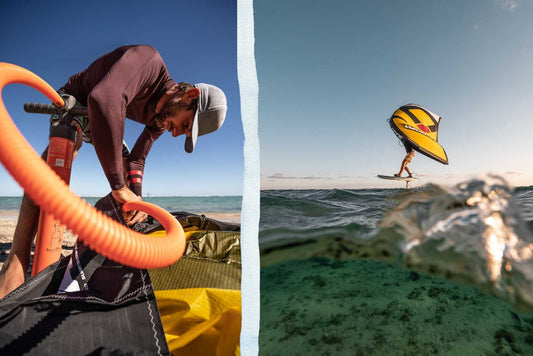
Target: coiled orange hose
96, 230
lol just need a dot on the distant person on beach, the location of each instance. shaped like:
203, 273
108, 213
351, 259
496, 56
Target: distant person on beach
407, 159
132, 82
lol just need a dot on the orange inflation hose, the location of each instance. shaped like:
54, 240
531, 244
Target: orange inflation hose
46, 189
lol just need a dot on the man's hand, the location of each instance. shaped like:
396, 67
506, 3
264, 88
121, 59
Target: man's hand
124, 195
68, 100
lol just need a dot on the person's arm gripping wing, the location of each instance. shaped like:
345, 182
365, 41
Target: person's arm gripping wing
136, 161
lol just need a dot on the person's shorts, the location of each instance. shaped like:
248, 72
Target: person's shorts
82, 121
408, 147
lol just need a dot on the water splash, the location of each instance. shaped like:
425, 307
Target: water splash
472, 232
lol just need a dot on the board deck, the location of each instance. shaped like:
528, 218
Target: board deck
403, 179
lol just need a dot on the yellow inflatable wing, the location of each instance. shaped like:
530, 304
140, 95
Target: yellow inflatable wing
199, 297
418, 128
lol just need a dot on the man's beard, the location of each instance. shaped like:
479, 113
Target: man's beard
170, 108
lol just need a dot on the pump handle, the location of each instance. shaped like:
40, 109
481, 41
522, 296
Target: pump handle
37, 108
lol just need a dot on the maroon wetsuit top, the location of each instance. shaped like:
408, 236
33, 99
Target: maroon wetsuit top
127, 82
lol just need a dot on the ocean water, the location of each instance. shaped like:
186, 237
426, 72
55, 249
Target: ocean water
229, 206
431, 270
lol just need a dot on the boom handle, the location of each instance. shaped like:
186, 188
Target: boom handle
37, 108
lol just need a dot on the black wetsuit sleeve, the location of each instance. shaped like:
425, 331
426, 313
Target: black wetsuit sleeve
108, 101
137, 158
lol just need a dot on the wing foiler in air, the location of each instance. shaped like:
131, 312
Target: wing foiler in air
418, 128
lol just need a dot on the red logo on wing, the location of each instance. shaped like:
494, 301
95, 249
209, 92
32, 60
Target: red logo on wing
423, 128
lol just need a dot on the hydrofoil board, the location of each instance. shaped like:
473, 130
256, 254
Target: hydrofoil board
403, 179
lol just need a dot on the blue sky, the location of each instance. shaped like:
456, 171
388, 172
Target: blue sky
197, 40
332, 72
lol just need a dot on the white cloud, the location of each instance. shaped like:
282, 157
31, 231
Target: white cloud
510, 5
282, 176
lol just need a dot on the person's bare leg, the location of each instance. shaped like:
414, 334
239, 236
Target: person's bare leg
14, 269
404, 166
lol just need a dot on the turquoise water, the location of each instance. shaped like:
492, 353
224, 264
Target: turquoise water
430, 270
218, 204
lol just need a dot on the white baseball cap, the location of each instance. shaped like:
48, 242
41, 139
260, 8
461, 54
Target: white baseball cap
210, 113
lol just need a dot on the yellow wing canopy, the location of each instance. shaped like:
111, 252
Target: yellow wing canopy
418, 127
